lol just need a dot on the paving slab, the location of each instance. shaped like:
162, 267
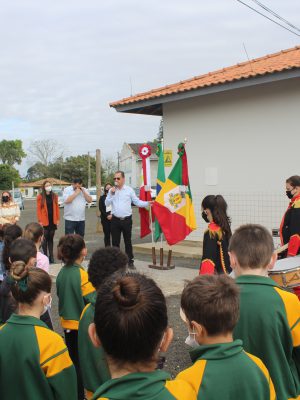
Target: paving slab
171, 281
185, 249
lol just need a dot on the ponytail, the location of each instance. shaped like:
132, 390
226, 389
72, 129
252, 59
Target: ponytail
218, 207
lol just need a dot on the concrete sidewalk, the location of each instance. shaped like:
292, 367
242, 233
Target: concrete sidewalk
170, 281
184, 249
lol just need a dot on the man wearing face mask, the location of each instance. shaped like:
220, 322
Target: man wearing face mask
105, 216
9, 210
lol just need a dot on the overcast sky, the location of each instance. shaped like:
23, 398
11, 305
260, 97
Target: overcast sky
63, 61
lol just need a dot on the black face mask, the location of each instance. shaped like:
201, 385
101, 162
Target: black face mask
105, 191
204, 216
5, 199
289, 194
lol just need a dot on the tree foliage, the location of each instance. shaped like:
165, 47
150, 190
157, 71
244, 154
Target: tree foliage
11, 152
8, 174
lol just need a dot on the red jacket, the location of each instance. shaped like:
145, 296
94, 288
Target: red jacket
42, 211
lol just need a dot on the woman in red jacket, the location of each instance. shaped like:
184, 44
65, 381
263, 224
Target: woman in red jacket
48, 217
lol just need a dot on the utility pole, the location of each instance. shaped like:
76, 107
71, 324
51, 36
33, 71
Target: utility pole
98, 185
118, 160
89, 170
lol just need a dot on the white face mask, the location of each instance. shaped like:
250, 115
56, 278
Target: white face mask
191, 341
48, 188
47, 306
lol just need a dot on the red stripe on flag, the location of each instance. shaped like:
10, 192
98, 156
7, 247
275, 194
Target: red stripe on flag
173, 225
144, 214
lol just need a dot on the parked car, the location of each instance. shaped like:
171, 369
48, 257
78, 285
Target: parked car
60, 198
18, 198
93, 194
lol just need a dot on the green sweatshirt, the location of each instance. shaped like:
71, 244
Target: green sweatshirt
93, 365
224, 371
269, 326
145, 386
34, 362
74, 291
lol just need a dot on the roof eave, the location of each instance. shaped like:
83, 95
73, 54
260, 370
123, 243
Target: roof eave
154, 106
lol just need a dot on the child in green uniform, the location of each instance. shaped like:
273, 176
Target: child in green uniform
94, 370
222, 369
131, 324
34, 361
269, 323
74, 291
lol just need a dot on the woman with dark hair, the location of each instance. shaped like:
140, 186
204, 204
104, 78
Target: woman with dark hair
215, 258
131, 324
9, 210
105, 215
48, 217
42, 366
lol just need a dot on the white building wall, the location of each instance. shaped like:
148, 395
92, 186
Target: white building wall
247, 140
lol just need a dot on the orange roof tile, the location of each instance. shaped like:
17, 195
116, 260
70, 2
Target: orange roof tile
269, 64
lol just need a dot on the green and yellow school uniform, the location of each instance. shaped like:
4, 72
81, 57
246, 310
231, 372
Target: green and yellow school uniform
34, 362
154, 385
269, 326
93, 365
74, 291
224, 371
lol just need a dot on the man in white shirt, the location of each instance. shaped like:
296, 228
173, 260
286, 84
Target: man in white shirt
120, 197
75, 199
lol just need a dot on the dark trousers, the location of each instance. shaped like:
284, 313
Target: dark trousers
71, 338
124, 226
74, 227
106, 225
47, 244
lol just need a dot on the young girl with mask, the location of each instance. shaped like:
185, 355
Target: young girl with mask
131, 324
42, 366
74, 292
105, 215
215, 259
9, 210
48, 217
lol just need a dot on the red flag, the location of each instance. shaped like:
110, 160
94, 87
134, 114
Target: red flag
145, 189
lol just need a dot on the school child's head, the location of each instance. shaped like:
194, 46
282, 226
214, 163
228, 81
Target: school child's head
31, 287
210, 305
23, 250
104, 263
34, 232
10, 234
251, 250
214, 208
131, 321
71, 249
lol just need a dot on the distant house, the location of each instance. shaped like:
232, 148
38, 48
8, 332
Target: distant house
31, 189
242, 129
131, 164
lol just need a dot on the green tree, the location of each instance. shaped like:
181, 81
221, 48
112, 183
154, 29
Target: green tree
37, 171
11, 152
8, 174
77, 167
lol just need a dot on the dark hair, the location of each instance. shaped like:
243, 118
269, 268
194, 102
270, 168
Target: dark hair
33, 231
69, 248
252, 245
218, 208
34, 280
105, 262
22, 250
43, 202
120, 172
294, 180
212, 301
11, 233
107, 183
130, 317
77, 180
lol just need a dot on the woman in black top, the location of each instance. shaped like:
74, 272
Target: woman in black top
105, 216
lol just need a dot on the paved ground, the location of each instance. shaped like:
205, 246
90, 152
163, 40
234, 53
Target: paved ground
171, 282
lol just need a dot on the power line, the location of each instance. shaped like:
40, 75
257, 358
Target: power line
270, 19
276, 15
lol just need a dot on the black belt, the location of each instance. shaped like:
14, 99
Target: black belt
123, 219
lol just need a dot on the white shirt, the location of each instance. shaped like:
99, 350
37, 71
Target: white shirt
121, 201
74, 211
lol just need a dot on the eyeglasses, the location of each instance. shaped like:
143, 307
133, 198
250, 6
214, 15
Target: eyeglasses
117, 179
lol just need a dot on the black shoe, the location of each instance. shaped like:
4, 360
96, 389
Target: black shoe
51, 261
131, 265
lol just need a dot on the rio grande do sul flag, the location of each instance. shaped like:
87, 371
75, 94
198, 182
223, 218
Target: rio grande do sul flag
173, 207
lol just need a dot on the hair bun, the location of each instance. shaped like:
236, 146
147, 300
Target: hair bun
19, 270
127, 292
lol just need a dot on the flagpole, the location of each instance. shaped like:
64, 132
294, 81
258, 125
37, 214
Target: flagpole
152, 238
161, 251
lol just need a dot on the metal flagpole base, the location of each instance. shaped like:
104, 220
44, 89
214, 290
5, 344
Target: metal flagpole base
161, 267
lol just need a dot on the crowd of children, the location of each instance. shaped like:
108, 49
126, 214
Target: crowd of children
244, 333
